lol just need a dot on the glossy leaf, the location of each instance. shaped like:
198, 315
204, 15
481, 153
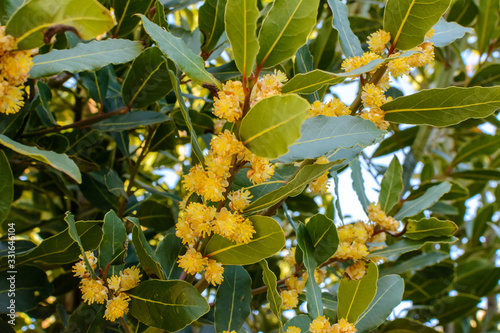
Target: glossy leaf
159, 18
7, 8
409, 20
431, 196
267, 241
114, 236
285, 29
349, 42
60, 162
443, 107
409, 325
87, 318
85, 57
324, 238
88, 17
168, 252
300, 321
147, 257
148, 79
241, 26
486, 23
446, 33
6, 186
354, 296
130, 120
294, 186
416, 263
211, 22
125, 11
307, 83
358, 183
389, 294
268, 134
179, 52
486, 76
73, 233
320, 135
178, 302
408, 245
232, 301
313, 291
156, 215
391, 187
273, 297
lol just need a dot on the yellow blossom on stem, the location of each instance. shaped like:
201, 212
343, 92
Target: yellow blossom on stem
377, 215
80, 269
293, 329
356, 271
351, 250
378, 40
117, 307
130, 278
214, 272
293, 283
343, 326
7, 42
290, 299
218, 165
114, 283
214, 188
15, 66
353, 63
290, 257
192, 261
244, 232
11, 98
227, 106
93, 291
195, 180
376, 116
320, 325
226, 144
261, 170
239, 199
372, 96
319, 275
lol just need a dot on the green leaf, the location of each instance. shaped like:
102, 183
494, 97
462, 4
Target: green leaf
43, 110
60, 162
130, 120
273, 297
7, 8
232, 302
486, 24
6, 186
85, 57
88, 17
480, 145
443, 107
147, 257
323, 47
268, 134
431, 196
113, 239
159, 18
185, 114
324, 238
355, 296
349, 43
31, 287
391, 186
300, 321
432, 227
357, 183
285, 29
294, 186
168, 252
482, 175
267, 241
446, 33
488, 75
73, 233
125, 13
241, 26
416, 263
483, 215
397, 141
61, 248
87, 318
179, 52
449, 308
147, 80
211, 22
389, 294
406, 325
320, 135
178, 302
307, 83
408, 245
313, 291
409, 20
156, 215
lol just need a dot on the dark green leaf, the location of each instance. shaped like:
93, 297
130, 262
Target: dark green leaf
431, 196
486, 76
407, 325
130, 120
486, 24
450, 308
391, 186
147, 257
349, 42
113, 239
407, 245
168, 252
416, 263
482, 175
324, 238
125, 11
87, 318
273, 297
300, 321
6, 186
480, 145
155, 215
211, 21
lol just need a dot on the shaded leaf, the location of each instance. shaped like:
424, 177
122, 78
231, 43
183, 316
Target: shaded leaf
324, 238
488, 75
358, 184
416, 263
407, 245
486, 23
147, 258
449, 308
273, 297
130, 120
6, 186
349, 42
168, 252
391, 187
114, 236
211, 22
431, 196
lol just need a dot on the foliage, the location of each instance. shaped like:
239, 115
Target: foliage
174, 165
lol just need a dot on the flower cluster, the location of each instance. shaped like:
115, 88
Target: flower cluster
295, 287
333, 108
377, 216
14, 69
373, 94
320, 185
110, 291
353, 238
321, 325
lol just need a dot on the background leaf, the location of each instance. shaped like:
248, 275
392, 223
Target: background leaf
391, 187
349, 42
432, 195
446, 33
273, 297
211, 21
113, 239
6, 186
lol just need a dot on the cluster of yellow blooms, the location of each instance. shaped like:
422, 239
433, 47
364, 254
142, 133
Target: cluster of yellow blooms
14, 69
378, 216
110, 291
321, 325
320, 185
200, 220
373, 94
333, 108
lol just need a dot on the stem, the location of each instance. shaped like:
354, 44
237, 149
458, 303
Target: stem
125, 325
80, 123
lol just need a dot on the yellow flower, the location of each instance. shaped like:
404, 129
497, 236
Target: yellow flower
429, 33
195, 180
356, 271
192, 261
293, 283
293, 329
219, 125
11, 98
343, 326
130, 278
269, 85
290, 257
358, 231
351, 250
214, 188
15, 66
117, 307
333, 108
426, 55
218, 165
239, 199
227, 106
319, 325
225, 223
93, 291
372, 96
226, 144
235, 88
319, 275
399, 67
7, 42
378, 40
290, 299
377, 215
80, 269
376, 116
114, 283
244, 232
214, 272
261, 170
353, 63
320, 185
